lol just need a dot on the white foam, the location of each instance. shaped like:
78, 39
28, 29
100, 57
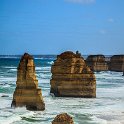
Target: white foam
28, 114
8, 79
4, 102
9, 67
13, 69
43, 68
10, 57
7, 85
109, 75
98, 120
44, 75
50, 62
109, 118
16, 115
39, 58
107, 104
10, 120
103, 121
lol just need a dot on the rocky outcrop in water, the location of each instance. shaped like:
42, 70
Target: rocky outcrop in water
117, 63
71, 77
97, 63
27, 92
63, 118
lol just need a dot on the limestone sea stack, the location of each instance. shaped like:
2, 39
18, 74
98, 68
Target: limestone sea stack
117, 63
63, 118
71, 77
97, 63
27, 92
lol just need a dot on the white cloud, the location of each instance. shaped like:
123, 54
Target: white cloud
111, 20
102, 31
81, 1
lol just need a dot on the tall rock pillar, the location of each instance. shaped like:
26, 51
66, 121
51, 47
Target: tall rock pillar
27, 92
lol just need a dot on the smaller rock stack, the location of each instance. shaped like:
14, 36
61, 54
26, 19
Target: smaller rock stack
63, 118
71, 77
27, 92
97, 63
117, 63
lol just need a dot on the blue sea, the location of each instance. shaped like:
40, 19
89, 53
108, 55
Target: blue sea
106, 108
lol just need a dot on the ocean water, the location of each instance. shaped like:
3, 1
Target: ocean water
106, 108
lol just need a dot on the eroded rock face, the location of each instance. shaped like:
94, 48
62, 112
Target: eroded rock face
97, 63
71, 77
27, 92
63, 118
117, 63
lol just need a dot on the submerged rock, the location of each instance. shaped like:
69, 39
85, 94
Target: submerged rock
71, 77
97, 63
27, 92
63, 118
117, 63
5, 96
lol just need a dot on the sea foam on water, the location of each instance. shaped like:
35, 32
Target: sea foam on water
106, 108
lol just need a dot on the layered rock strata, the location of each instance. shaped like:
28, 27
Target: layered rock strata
63, 118
27, 92
71, 77
117, 63
97, 63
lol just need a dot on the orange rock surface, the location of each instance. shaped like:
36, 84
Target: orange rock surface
27, 92
97, 63
63, 118
117, 63
71, 77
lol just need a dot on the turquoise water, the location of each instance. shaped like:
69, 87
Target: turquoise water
107, 108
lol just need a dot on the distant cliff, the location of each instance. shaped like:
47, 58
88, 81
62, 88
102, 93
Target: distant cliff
97, 63
117, 63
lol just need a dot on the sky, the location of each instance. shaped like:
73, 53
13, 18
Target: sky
55, 26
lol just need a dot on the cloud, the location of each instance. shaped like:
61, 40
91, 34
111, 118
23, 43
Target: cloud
102, 31
111, 20
81, 1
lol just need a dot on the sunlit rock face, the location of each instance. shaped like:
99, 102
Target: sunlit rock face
71, 77
97, 63
63, 118
117, 63
27, 92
